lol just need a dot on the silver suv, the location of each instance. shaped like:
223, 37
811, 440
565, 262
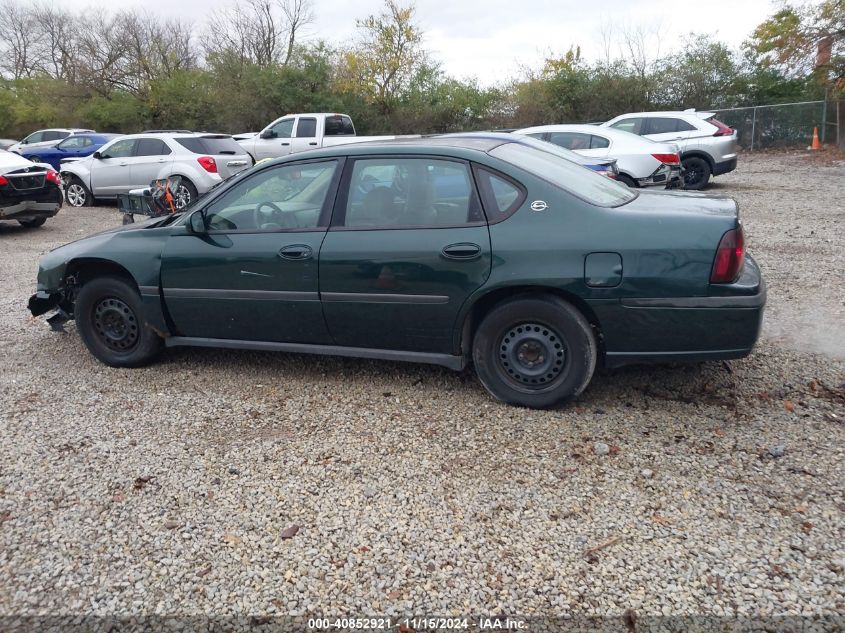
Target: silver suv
135, 160
707, 146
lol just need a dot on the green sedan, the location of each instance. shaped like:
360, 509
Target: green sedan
490, 250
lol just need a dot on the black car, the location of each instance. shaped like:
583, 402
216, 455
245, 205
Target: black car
29, 192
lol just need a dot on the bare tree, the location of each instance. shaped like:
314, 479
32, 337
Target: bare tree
253, 31
297, 14
18, 38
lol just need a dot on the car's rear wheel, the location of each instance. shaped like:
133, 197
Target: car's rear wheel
626, 180
534, 351
696, 173
33, 223
185, 194
77, 194
110, 321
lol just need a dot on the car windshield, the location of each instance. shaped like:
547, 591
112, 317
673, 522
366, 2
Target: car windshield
552, 163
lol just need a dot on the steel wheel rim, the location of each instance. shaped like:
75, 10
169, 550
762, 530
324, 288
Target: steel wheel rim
531, 356
115, 325
182, 197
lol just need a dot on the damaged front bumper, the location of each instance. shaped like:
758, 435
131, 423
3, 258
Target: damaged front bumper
43, 302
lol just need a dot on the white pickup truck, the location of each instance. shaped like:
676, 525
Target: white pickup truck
300, 132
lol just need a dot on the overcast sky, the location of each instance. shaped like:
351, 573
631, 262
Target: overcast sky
490, 40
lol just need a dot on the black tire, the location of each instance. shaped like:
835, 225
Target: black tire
33, 223
185, 194
627, 180
77, 194
696, 173
110, 321
557, 339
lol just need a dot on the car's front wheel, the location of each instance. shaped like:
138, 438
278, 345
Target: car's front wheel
110, 321
696, 173
534, 351
77, 194
33, 223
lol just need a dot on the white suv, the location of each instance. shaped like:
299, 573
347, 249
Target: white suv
135, 160
708, 146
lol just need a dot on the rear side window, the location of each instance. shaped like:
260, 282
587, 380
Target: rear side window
214, 145
306, 128
152, 147
570, 140
634, 125
339, 126
665, 125
501, 196
400, 192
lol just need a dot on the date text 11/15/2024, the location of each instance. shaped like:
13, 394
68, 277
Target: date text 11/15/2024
406, 625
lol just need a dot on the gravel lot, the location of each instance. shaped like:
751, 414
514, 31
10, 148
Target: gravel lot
172, 489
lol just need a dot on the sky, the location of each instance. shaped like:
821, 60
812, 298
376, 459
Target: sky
493, 39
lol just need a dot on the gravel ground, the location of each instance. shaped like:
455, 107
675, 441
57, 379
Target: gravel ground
176, 489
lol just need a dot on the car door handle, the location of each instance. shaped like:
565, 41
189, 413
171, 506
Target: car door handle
123, 164
296, 251
285, 144
313, 143
464, 250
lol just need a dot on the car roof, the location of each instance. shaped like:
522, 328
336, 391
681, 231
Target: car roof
586, 128
670, 113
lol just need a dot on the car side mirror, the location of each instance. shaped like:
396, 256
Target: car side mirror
196, 223
268, 134
97, 155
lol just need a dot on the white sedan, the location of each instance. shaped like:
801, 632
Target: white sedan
641, 162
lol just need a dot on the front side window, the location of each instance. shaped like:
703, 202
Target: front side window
634, 125
283, 129
152, 147
35, 137
75, 142
284, 197
306, 128
536, 158
398, 192
120, 149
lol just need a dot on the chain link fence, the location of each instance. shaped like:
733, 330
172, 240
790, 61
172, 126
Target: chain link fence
785, 124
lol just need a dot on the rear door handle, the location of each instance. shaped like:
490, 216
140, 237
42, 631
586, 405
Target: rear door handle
464, 250
296, 252
285, 144
313, 143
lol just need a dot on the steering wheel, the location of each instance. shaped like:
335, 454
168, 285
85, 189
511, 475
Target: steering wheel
276, 216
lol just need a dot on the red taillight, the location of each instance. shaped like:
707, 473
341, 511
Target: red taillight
729, 257
54, 177
208, 164
3, 181
668, 159
723, 130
